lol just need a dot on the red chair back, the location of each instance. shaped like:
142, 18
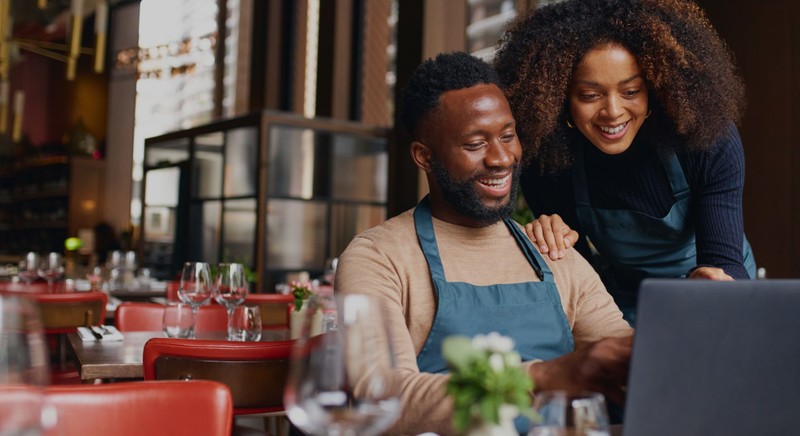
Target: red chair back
64, 313
137, 408
274, 308
130, 317
172, 290
255, 372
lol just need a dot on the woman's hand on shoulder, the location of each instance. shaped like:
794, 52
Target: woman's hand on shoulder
710, 273
551, 235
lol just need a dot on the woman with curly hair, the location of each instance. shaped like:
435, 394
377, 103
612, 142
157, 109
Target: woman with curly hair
626, 110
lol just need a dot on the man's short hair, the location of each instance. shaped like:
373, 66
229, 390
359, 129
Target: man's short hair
447, 72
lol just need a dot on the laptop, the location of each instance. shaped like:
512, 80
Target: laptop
715, 358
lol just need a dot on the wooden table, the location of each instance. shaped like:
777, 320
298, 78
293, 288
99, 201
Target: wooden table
123, 359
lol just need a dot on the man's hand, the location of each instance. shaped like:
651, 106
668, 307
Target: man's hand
551, 235
710, 273
601, 366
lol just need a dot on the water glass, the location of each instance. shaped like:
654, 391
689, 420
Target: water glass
178, 320
245, 324
561, 414
23, 367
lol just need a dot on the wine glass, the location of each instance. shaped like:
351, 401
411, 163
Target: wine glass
342, 382
23, 367
245, 324
561, 413
230, 289
195, 287
29, 268
51, 268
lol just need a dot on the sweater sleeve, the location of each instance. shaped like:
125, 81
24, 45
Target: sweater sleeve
426, 405
717, 204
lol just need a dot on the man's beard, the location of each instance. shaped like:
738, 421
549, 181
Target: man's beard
464, 198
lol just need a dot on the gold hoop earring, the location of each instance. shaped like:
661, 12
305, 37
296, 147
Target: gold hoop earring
568, 123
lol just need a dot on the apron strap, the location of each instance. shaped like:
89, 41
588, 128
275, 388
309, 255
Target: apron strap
531, 253
580, 193
423, 222
677, 179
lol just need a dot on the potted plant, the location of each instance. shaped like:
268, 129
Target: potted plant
487, 383
302, 292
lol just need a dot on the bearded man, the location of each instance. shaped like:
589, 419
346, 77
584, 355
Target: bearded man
457, 264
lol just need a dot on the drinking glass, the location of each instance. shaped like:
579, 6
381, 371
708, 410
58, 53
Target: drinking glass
23, 367
561, 414
51, 268
245, 324
195, 287
178, 321
29, 268
230, 289
342, 382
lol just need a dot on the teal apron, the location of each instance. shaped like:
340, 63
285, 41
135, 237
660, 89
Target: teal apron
530, 313
637, 245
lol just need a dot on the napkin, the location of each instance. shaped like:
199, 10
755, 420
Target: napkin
109, 333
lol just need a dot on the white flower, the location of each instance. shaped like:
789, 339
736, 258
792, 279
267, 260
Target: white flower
493, 342
496, 362
513, 359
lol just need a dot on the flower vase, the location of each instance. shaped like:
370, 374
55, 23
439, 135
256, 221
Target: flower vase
506, 426
297, 318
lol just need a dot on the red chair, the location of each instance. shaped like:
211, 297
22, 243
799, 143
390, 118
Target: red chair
255, 372
274, 308
62, 314
172, 290
137, 408
130, 317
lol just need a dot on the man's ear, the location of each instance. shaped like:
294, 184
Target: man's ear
421, 154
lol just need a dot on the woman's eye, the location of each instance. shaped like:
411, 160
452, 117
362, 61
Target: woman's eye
631, 93
508, 137
589, 97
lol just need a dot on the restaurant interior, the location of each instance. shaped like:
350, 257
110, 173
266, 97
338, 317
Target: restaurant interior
141, 137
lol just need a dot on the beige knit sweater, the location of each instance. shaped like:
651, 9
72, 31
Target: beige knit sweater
387, 261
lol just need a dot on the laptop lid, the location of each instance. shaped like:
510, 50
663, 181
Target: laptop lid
715, 358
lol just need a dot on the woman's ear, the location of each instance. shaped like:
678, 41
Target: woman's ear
421, 154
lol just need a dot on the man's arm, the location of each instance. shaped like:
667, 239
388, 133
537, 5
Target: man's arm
364, 269
601, 366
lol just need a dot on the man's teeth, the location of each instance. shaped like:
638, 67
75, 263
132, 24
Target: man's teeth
495, 183
613, 130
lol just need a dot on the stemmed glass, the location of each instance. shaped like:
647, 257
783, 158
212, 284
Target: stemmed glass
230, 289
562, 413
23, 367
195, 287
343, 381
51, 268
29, 268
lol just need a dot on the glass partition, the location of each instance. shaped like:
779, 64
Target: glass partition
275, 191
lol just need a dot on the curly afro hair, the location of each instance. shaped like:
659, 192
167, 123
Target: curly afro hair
693, 84
447, 72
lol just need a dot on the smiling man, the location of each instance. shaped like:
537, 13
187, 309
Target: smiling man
457, 264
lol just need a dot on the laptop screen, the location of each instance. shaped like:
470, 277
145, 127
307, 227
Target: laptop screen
715, 358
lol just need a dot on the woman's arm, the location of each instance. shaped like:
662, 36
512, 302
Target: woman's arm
717, 204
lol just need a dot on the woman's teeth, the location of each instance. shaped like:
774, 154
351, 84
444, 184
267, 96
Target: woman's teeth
613, 130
